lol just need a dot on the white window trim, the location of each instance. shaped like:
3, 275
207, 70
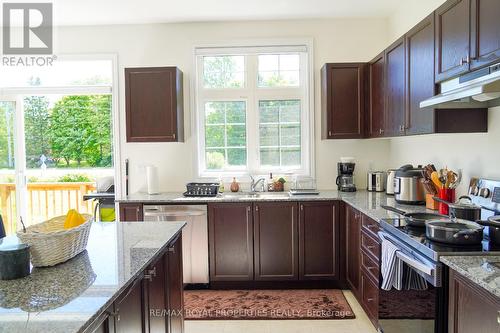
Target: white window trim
307, 121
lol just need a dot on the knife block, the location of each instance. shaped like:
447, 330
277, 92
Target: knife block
430, 203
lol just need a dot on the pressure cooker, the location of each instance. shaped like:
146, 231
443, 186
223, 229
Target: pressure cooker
408, 187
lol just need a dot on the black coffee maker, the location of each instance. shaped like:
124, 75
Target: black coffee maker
345, 178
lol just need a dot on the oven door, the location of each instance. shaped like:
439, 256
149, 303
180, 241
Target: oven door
413, 310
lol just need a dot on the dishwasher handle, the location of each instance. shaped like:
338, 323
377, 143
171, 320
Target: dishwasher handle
155, 212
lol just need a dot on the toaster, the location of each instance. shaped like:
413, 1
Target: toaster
376, 181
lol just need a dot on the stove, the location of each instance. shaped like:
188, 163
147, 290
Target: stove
483, 192
422, 254
415, 237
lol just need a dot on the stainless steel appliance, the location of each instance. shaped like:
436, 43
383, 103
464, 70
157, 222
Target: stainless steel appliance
389, 187
408, 187
480, 88
194, 237
345, 177
376, 181
428, 312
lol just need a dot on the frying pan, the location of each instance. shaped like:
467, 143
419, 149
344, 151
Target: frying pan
415, 219
494, 228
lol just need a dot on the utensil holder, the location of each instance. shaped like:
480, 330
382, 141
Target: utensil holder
448, 194
430, 203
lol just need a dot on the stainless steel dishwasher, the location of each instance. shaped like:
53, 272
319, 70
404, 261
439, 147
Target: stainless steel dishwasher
194, 236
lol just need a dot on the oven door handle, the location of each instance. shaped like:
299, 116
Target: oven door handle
415, 263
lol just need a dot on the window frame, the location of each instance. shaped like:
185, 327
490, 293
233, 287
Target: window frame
252, 94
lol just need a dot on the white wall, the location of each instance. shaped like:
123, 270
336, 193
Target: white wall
340, 40
477, 154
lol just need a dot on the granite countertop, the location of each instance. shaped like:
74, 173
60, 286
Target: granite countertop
68, 297
366, 202
482, 270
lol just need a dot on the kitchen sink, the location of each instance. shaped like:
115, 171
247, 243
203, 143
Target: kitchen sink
256, 195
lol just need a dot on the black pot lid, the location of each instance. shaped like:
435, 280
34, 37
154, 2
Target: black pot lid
494, 220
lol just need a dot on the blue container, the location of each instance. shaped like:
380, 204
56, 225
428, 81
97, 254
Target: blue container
14, 260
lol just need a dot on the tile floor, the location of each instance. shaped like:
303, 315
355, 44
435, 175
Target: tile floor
359, 325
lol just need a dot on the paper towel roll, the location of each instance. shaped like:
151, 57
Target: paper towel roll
152, 179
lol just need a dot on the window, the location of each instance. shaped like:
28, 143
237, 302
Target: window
56, 124
253, 110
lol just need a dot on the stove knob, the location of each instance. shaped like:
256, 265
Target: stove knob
485, 193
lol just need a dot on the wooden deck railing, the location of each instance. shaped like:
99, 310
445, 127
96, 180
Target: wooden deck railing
45, 200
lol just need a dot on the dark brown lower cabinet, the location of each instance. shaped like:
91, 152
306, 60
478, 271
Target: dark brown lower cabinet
151, 304
131, 212
276, 241
318, 241
353, 235
363, 260
175, 288
230, 234
130, 310
471, 308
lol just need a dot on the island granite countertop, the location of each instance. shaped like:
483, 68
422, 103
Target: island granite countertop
482, 270
68, 297
366, 202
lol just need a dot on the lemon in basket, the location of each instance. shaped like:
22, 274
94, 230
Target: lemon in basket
73, 219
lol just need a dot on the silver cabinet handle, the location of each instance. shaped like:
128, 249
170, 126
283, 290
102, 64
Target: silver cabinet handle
329, 133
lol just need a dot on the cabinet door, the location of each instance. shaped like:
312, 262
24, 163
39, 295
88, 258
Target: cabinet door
230, 235
156, 296
353, 228
452, 39
395, 89
485, 32
370, 297
131, 213
129, 310
377, 97
471, 308
420, 77
318, 241
276, 241
175, 287
154, 104
342, 101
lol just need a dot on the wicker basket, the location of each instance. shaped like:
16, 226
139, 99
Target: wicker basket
51, 244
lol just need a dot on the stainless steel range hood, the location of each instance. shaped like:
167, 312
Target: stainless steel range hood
479, 89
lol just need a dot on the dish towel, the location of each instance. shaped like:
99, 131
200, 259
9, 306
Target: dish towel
392, 266
395, 273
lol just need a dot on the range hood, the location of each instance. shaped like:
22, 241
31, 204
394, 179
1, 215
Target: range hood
479, 89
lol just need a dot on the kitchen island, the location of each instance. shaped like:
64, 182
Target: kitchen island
107, 287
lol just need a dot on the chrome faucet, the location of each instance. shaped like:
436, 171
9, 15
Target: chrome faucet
254, 183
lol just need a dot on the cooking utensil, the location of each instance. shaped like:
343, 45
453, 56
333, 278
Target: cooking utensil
455, 232
462, 210
436, 180
415, 219
493, 225
408, 187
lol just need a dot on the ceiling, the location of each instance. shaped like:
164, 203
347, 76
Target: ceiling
96, 12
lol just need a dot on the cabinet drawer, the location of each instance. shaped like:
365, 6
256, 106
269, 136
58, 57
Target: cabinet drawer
369, 296
370, 246
370, 266
370, 226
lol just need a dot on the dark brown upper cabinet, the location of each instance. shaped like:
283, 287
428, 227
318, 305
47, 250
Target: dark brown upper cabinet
276, 241
319, 235
452, 39
420, 77
342, 100
376, 104
395, 77
485, 32
154, 104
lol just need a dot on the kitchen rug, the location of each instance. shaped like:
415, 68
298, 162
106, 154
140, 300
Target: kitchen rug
266, 304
